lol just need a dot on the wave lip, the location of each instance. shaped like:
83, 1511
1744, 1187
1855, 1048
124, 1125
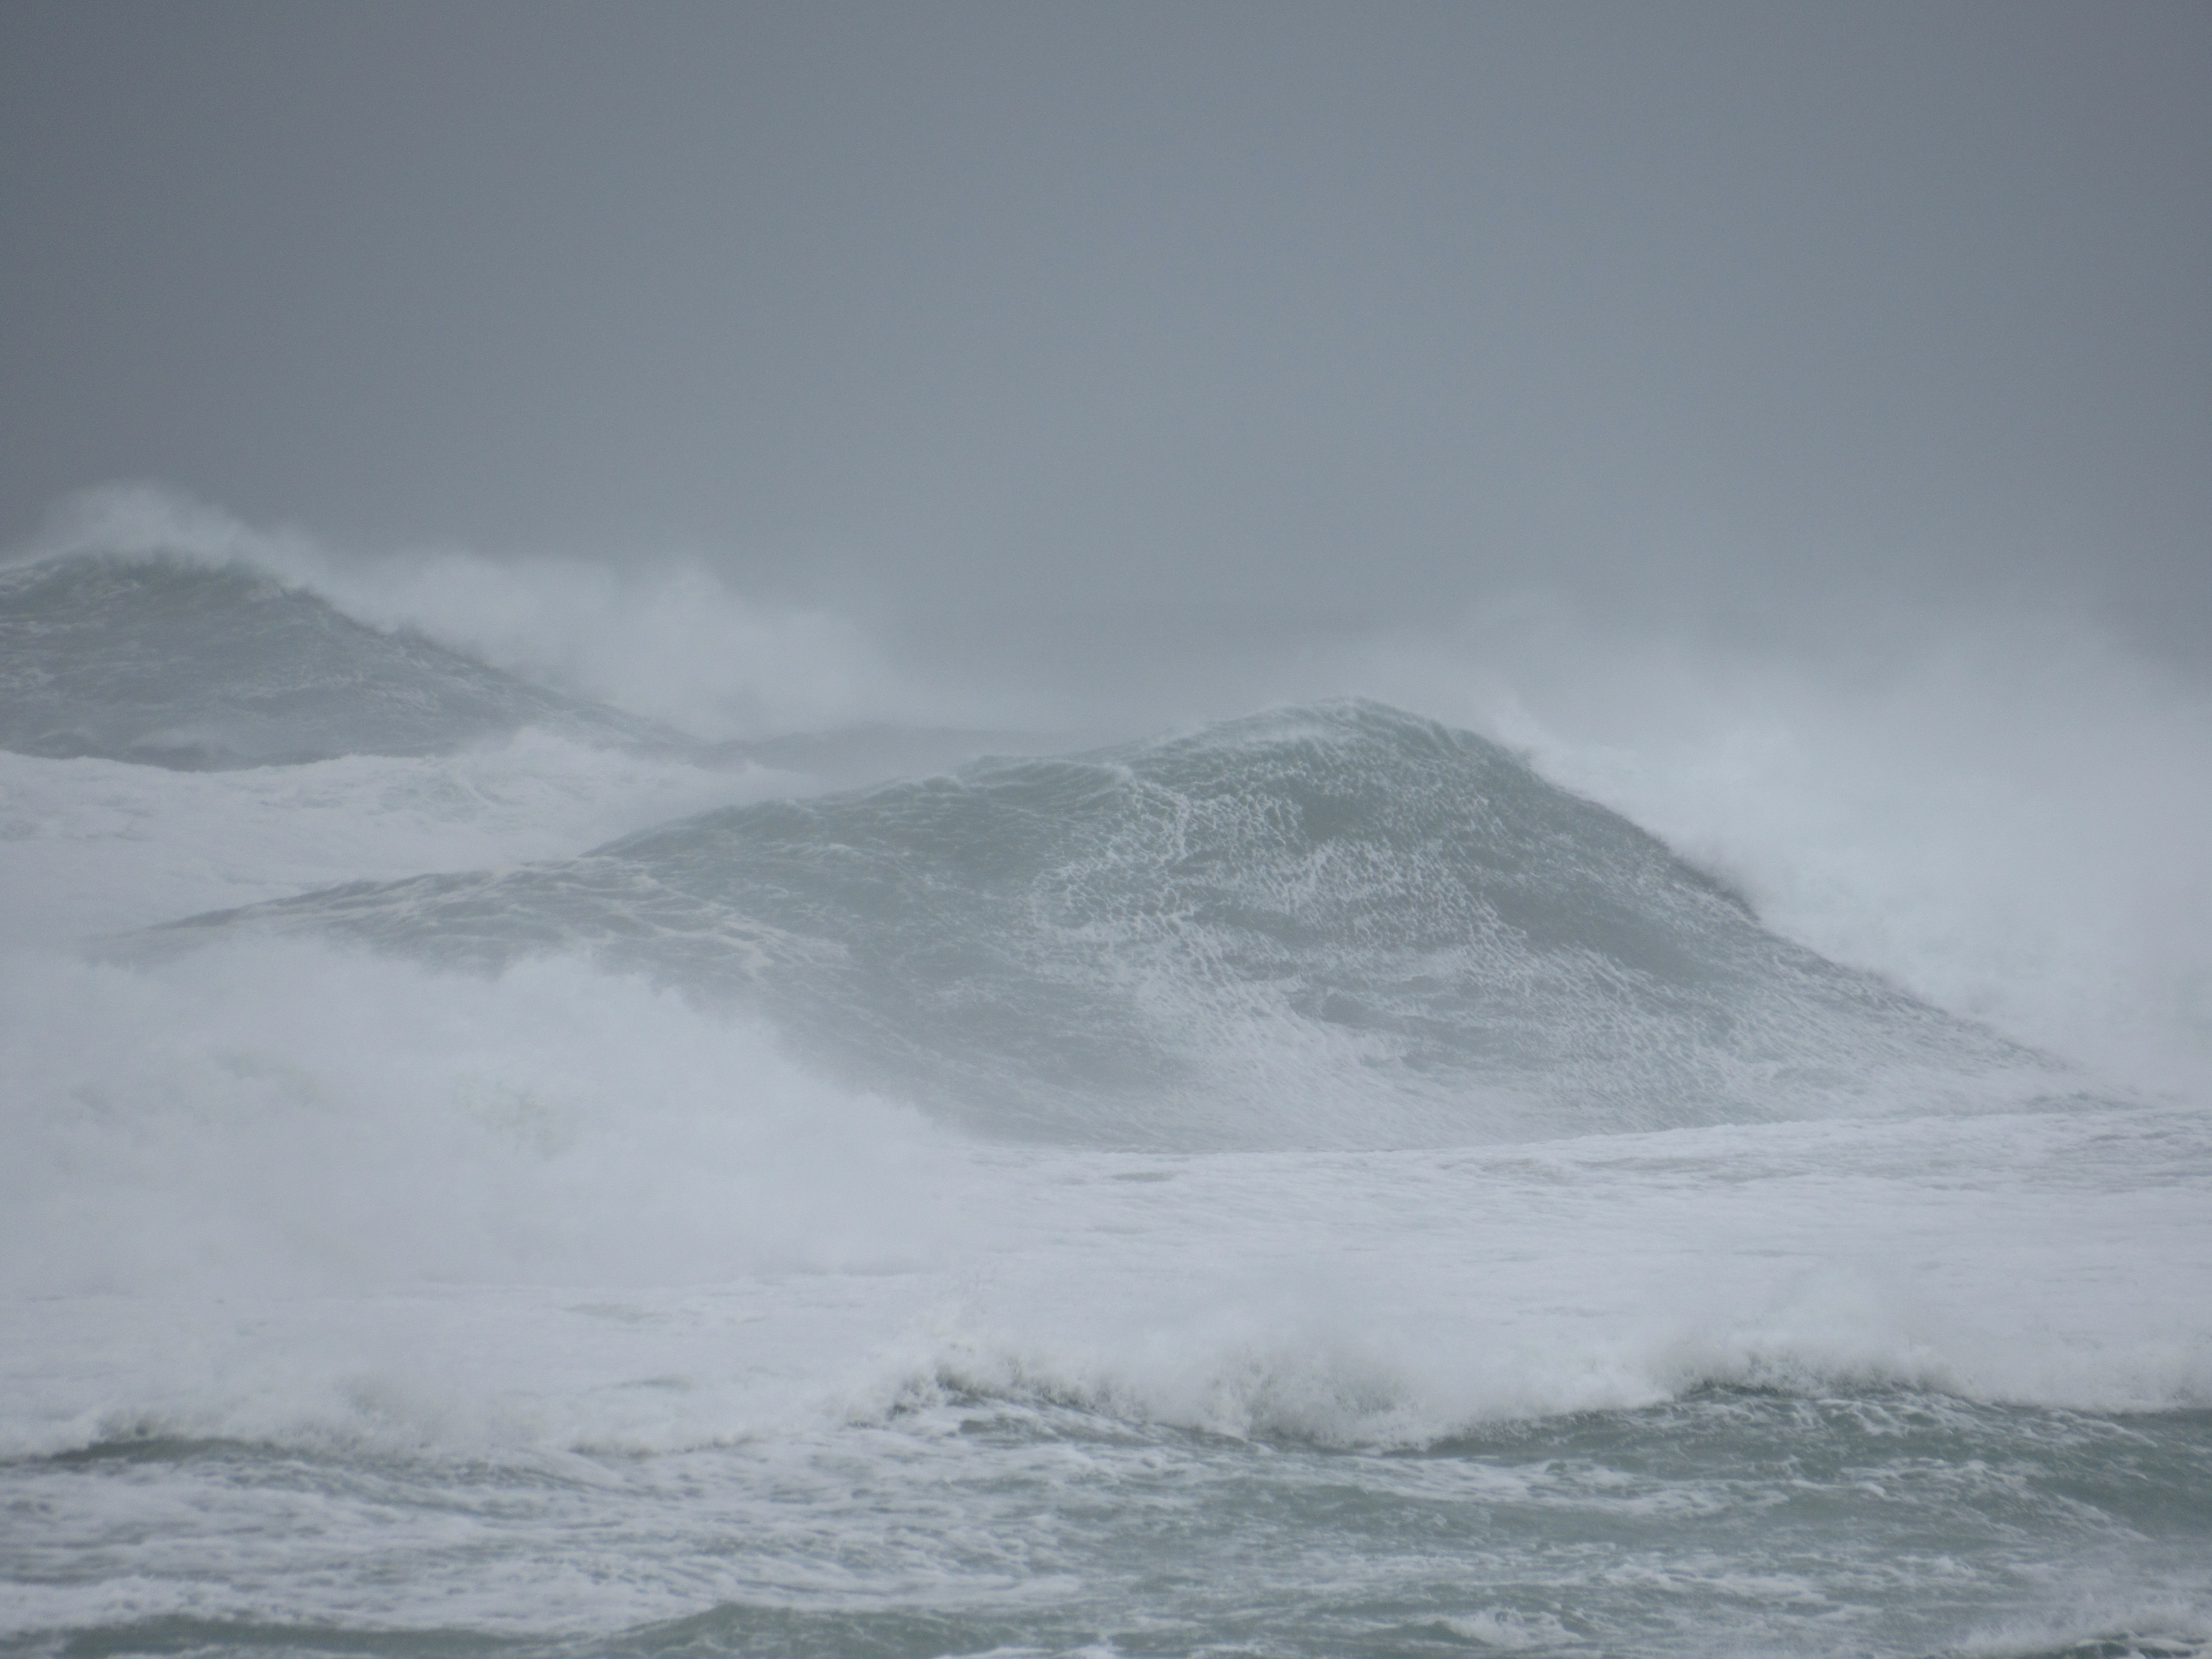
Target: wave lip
1340, 924
174, 662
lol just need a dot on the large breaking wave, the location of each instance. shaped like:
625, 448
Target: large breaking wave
1336, 925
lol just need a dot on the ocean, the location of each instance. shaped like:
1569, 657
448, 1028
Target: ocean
491, 1172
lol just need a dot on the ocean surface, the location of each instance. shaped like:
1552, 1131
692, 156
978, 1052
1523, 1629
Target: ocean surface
490, 1173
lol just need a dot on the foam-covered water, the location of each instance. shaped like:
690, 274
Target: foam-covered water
1306, 1185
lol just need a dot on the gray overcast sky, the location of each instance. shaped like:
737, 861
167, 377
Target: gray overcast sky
1169, 318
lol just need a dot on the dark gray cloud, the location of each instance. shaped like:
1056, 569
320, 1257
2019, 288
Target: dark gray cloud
1191, 325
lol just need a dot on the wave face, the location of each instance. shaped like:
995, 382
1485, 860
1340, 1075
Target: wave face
177, 662
1335, 925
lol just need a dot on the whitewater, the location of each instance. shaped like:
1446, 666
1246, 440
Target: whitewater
494, 1170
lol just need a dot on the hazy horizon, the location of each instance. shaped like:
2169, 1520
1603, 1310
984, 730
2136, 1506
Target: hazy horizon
1043, 340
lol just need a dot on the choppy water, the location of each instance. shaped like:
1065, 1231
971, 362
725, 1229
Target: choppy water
1306, 1186
1883, 1520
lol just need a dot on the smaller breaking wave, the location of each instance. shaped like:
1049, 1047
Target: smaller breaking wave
177, 663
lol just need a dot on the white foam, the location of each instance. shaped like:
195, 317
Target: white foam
93, 846
2007, 821
285, 1118
275, 1190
